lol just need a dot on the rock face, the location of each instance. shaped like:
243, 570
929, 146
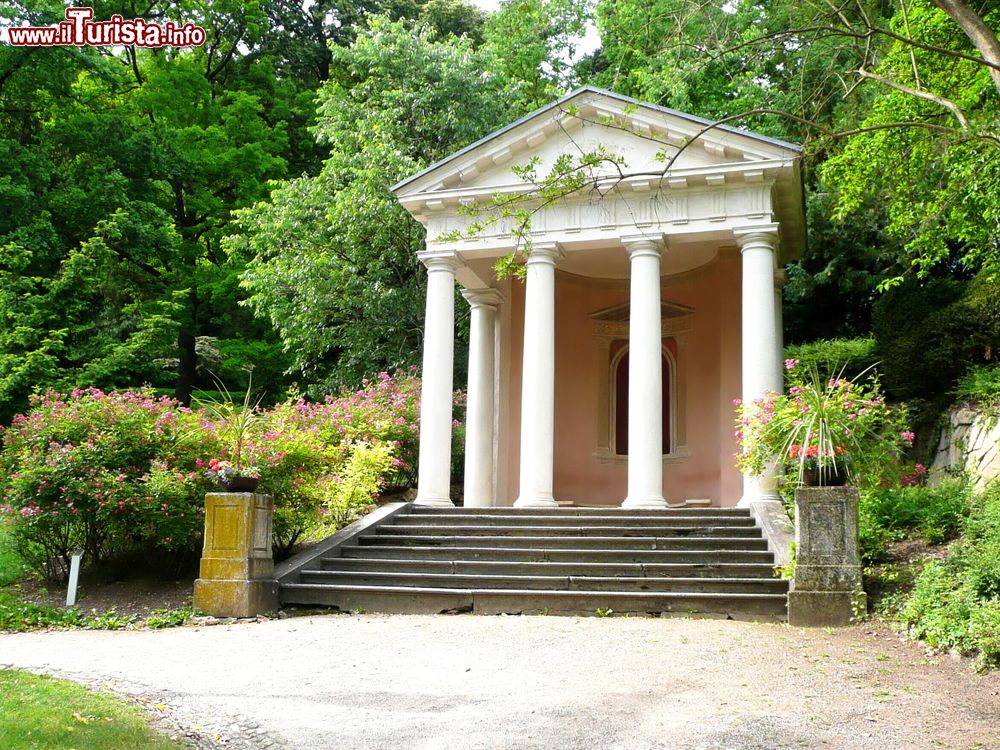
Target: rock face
969, 442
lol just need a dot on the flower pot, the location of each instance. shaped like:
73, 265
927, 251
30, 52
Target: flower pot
830, 476
239, 484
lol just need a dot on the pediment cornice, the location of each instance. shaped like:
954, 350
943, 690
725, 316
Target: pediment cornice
729, 150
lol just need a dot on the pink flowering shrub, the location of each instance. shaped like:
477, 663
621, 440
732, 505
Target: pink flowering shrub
308, 452
326, 461
832, 426
117, 473
100, 472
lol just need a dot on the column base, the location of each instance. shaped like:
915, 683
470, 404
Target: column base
480, 503
246, 598
433, 501
653, 501
536, 502
820, 609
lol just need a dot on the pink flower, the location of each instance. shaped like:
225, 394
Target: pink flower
790, 364
907, 436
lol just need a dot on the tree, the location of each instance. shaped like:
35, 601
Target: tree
864, 84
533, 45
331, 260
121, 169
936, 120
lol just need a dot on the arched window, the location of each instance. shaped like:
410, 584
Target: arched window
619, 415
611, 327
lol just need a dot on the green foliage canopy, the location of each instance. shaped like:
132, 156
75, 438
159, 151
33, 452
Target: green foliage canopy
331, 260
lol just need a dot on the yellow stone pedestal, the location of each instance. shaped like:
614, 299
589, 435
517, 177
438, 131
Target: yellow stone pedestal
237, 569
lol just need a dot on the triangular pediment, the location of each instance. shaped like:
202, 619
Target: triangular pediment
620, 313
643, 136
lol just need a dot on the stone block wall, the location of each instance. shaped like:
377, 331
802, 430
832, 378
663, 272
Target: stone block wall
970, 441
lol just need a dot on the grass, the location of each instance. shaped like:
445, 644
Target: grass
41, 713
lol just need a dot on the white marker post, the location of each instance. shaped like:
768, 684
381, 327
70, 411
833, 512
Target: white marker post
74, 575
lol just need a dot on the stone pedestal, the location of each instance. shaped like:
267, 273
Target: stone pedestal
237, 568
827, 587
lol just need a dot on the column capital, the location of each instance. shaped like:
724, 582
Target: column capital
643, 244
490, 298
439, 261
546, 253
757, 236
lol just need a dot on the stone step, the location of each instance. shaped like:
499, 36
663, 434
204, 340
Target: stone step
706, 561
572, 542
576, 530
418, 510
548, 582
492, 567
430, 600
541, 554
553, 519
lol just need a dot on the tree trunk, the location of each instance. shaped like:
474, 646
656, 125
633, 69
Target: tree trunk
981, 35
186, 368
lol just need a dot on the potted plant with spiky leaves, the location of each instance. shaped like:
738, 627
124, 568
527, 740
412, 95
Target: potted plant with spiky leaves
824, 431
235, 424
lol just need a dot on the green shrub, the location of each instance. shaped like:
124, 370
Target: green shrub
831, 356
930, 332
345, 498
977, 553
939, 608
18, 615
955, 603
984, 632
306, 450
873, 536
12, 567
892, 513
981, 385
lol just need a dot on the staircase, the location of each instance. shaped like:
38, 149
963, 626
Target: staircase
691, 561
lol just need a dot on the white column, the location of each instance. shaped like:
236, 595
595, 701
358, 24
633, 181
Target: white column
780, 279
645, 374
434, 475
761, 345
479, 398
538, 379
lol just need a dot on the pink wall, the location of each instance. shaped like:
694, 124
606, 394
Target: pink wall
713, 381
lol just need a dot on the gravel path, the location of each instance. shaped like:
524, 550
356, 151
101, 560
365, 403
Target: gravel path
415, 682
